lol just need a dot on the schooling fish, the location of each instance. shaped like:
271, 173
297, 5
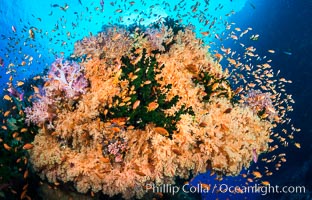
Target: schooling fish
31, 34
1, 62
65, 7
55, 5
13, 29
102, 5
287, 53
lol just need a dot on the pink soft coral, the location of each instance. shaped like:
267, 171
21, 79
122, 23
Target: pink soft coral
117, 150
67, 77
39, 113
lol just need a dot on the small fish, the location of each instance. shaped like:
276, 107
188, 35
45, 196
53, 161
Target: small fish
152, 106
1, 62
28, 146
206, 33
20, 83
257, 174
234, 37
31, 34
13, 29
102, 5
254, 37
23, 130
217, 37
265, 183
238, 90
136, 104
214, 86
7, 113
219, 57
298, 145
287, 53
26, 174
7, 97
203, 124
7, 147
161, 131
65, 7
55, 5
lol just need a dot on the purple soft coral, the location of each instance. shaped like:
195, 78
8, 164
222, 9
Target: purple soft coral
68, 77
65, 77
259, 101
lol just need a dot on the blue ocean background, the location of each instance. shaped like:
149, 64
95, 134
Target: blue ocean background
283, 25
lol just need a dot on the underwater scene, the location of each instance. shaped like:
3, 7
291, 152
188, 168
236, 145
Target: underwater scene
126, 99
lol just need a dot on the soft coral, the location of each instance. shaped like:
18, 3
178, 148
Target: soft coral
64, 78
67, 77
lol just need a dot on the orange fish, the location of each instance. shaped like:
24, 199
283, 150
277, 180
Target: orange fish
28, 146
206, 33
136, 104
23, 130
298, 145
257, 174
271, 51
7, 147
265, 183
7, 97
219, 57
161, 131
152, 106
20, 83
7, 113
26, 174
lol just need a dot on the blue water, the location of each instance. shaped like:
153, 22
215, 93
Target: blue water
283, 25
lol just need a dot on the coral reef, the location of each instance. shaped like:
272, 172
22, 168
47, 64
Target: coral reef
158, 106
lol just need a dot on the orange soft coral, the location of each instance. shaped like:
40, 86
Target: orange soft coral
111, 156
